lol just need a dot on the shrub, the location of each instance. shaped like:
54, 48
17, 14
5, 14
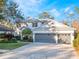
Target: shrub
9, 36
26, 31
6, 36
27, 38
9, 41
17, 37
76, 41
27, 35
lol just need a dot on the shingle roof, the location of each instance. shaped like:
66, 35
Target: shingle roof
64, 29
56, 29
32, 20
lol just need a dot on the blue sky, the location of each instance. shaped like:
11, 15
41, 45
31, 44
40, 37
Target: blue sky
56, 8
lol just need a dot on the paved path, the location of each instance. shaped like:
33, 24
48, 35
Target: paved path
42, 51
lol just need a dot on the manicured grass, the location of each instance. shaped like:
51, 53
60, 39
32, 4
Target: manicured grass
11, 46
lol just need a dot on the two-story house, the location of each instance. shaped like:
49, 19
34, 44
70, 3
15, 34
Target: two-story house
50, 31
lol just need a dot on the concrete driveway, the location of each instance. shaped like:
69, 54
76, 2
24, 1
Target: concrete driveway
42, 51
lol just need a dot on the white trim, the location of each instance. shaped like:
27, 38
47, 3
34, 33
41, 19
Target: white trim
53, 31
56, 38
33, 37
72, 38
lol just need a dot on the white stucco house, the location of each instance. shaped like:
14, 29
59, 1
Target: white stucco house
50, 31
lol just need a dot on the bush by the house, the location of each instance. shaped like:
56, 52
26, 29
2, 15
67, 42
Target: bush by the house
28, 38
7, 38
76, 41
17, 37
27, 35
26, 31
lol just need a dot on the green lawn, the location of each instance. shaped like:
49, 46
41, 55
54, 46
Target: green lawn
11, 46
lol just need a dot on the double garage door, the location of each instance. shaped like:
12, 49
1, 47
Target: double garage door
45, 38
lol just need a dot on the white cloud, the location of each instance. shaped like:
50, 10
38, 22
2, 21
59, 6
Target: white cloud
55, 12
30, 3
33, 2
29, 6
71, 12
67, 9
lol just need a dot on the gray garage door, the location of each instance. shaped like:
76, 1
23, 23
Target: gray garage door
45, 38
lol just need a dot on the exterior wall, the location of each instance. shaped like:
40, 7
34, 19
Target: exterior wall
29, 25
64, 38
67, 33
72, 38
23, 25
39, 24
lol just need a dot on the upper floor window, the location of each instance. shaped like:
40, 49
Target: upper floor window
42, 22
34, 24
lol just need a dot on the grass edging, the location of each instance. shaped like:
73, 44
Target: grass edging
10, 46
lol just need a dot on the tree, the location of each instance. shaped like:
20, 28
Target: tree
75, 24
2, 13
45, 15
77, 9
1, 9
1, 17
12, 11
65, 22
71, 17
76, 41
27, 34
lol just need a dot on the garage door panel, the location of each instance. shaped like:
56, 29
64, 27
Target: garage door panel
46, 38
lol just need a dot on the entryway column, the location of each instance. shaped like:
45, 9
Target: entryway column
56, 38
33, 37
72, 38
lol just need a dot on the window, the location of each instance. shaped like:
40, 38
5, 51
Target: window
34, 24
42, 22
